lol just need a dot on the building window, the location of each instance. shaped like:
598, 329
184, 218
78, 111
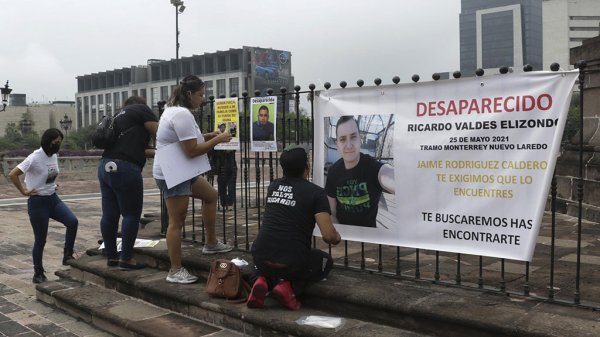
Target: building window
155, 96
93, 104
584, 17
117, 101
86, 111
210, 65
221, 88
235, 61
143, 94
222, 63
101, 105
164, 92
209, 90
108, 103
234, 85
124, 95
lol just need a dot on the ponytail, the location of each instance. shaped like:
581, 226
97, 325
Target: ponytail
181, 95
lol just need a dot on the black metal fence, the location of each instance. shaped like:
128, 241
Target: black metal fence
555, 275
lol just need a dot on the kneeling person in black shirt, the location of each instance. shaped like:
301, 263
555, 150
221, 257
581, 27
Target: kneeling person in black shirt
284, 260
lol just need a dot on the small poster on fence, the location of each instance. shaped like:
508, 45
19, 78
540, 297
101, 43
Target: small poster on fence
264, 127
227, 119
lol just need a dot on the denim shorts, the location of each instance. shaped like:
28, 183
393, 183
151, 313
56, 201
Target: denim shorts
182, 189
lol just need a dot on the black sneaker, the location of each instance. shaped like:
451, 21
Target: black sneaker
39, 277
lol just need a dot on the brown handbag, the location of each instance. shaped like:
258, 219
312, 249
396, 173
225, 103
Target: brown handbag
225, 280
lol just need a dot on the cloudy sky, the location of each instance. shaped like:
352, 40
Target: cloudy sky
46, 44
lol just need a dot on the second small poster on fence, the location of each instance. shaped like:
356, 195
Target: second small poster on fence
263, 118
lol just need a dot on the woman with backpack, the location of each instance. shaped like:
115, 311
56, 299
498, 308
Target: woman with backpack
121, 182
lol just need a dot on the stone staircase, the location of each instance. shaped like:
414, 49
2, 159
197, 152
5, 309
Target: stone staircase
142, 303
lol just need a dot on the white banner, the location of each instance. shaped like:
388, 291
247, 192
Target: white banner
472, 160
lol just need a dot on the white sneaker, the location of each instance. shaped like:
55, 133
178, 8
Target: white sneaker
181, 276
218, 247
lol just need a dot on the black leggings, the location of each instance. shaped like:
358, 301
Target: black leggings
314, 269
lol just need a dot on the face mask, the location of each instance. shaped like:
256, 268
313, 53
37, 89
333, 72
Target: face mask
54, 148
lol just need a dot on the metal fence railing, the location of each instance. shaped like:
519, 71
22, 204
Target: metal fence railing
562, 270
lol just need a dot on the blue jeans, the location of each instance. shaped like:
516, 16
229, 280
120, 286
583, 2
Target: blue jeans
41, 209
122, 195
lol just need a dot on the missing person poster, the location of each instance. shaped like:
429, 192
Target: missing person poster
227, 119
263, 133
472, 163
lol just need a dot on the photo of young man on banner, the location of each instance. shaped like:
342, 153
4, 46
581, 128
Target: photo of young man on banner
263, 120
359, 170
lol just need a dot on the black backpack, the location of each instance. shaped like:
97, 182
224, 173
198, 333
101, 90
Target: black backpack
106, 134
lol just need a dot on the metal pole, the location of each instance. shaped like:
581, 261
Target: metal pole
176, 44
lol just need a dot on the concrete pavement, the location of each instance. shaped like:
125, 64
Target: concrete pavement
20, 313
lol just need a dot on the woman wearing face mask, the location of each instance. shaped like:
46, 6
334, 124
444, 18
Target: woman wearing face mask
41, 170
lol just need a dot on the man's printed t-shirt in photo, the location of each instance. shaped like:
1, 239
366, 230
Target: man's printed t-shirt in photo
357, 191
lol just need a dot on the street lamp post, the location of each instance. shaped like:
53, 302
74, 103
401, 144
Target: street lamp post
5, 92
65, 124
25, 126
179, 8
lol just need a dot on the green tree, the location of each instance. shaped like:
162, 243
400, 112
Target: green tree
572, 125
79, 139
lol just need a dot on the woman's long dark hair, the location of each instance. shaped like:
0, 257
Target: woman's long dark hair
182, 94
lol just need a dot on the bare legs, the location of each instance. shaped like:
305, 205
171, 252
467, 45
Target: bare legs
177, 208
201, 189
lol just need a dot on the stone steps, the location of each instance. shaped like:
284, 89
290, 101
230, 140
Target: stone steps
89, 274
371, 304
119, 314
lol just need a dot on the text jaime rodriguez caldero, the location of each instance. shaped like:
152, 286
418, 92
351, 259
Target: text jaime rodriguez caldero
488, 131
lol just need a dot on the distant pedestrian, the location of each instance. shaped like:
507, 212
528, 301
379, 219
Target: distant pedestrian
178, 126
41, 171
121, 182
226, 169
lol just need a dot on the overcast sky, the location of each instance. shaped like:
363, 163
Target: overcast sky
45, 44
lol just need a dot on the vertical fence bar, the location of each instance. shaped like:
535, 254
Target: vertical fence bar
437, 266
380, 257
502, 276
417, 264
552, 237
526, 286
362, 256
577, 296
480, 279
346, 262
245, 163
398, 270
458, 277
